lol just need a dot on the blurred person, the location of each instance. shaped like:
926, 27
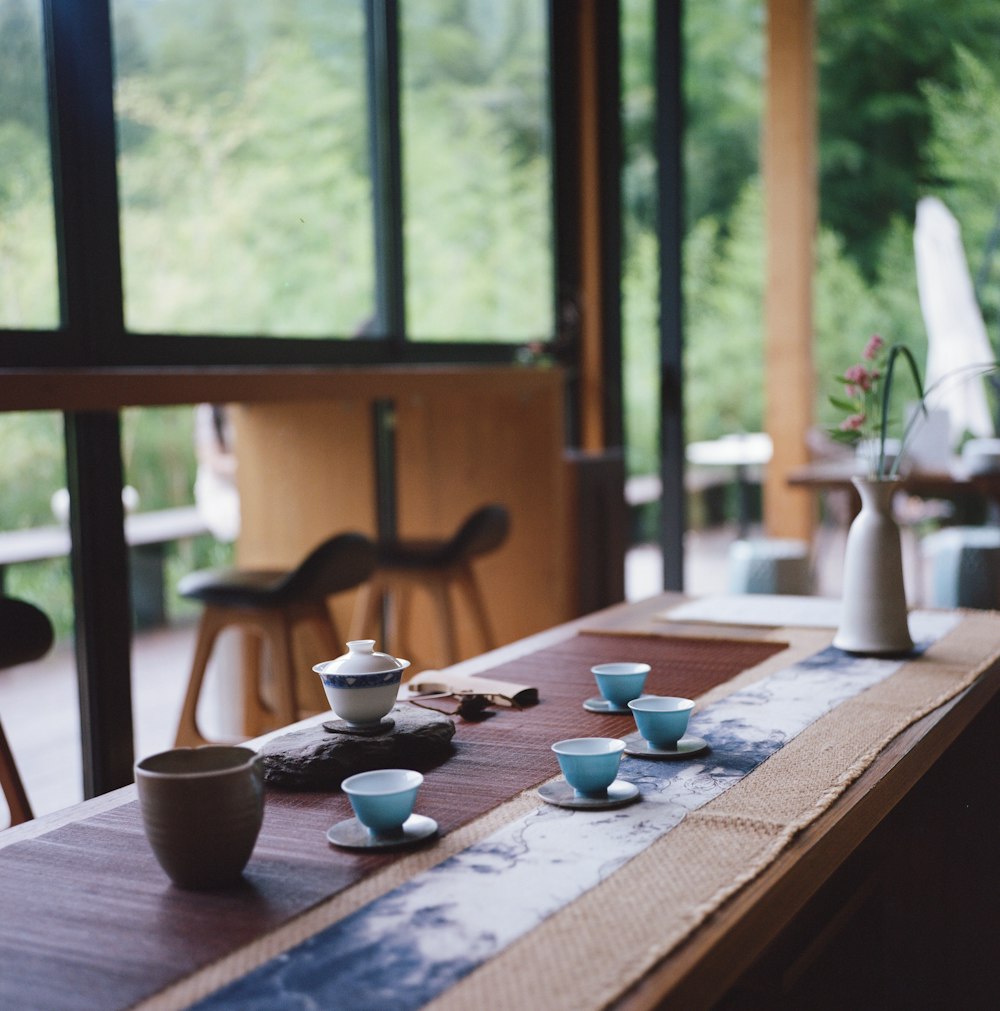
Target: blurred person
215, 491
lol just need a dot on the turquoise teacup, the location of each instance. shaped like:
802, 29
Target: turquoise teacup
383, 799
590, 764
662, 720
620, 682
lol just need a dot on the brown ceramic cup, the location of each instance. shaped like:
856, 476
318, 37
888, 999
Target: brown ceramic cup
202, 809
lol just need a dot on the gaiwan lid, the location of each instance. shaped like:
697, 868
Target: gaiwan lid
361, 658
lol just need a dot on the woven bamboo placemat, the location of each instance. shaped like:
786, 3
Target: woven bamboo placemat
89, 919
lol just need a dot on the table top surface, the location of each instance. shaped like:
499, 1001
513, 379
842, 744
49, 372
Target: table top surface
742, 449
837, 473
289, 901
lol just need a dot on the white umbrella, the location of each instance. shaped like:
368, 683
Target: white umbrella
956, 334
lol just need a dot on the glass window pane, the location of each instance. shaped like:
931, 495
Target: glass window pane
640, 260
243, 167
29, 294
33, 478
476, 170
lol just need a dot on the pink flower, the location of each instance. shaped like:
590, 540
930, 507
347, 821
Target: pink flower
858, 375
853, 423
872, 348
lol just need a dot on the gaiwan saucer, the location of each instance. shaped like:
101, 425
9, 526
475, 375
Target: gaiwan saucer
560, 793
598, 704
353, 835
639, 747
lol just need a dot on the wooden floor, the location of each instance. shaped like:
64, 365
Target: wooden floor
39, 707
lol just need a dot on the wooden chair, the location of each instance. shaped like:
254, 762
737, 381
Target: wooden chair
25, 635
435, 566
270, 606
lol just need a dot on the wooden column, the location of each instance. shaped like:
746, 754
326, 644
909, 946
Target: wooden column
587, 166
592, 435
790, 188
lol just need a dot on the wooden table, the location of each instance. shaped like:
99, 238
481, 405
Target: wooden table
955, 483
915, 826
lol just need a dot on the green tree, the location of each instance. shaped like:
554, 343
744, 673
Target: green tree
965, 149
723, 93
875, 121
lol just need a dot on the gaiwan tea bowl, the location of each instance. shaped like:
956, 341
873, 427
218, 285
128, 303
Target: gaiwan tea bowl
361, 686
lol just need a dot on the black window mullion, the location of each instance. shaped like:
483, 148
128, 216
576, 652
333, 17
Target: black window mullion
610, 170
385, 145
78, 37
669, 128
84, 177
564, 32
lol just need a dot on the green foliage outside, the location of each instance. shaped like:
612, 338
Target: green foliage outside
907, 107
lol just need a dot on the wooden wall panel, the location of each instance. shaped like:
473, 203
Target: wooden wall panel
306, 470
305, 473
457, 452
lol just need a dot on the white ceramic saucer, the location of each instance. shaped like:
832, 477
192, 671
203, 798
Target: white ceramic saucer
598, 704
560, 793
639, 747
352, 834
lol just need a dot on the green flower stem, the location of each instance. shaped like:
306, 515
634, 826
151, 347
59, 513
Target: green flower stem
894, 352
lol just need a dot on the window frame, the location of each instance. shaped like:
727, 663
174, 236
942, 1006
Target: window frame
79, 64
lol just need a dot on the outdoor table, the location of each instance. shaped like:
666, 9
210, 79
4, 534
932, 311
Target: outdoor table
954, 483
742, 452
520, 904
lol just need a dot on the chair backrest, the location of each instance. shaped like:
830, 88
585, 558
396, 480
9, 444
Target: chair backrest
485, 530
25, 632
340, 563
25, 635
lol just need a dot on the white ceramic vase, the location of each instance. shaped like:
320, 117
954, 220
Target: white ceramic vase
873, 611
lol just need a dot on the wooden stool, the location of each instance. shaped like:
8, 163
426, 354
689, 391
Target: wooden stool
25, 635
434, 566
271, 606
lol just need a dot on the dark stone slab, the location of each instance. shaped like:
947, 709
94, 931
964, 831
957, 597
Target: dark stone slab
316, 759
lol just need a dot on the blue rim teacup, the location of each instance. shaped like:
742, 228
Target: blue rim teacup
590, 764
620, 682
661, 719
383, 799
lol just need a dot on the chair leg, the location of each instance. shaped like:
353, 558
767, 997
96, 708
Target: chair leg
466, 579
399, 621
367, 610
323, 643
438, 589
213, 620
10, 782
251, 677
278, 628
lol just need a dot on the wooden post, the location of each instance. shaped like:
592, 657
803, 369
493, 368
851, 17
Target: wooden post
790, 188
592, 435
